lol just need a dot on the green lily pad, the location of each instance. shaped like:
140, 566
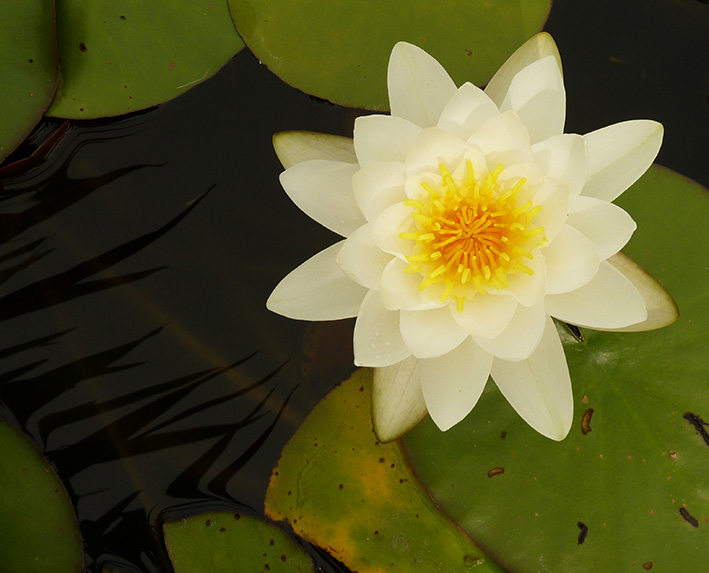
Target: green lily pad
341, 489
228, 542
119, 57
339, 50
29, 72
38, 528
627, 489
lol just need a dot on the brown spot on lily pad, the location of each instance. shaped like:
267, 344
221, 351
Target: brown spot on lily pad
586, 421
647, 566
495, 472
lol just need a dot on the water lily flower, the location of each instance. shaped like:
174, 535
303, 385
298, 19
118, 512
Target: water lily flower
470, 220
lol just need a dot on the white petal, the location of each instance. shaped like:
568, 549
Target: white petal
571, 261
297, 146
399, 289
536, 48
323, 190
467, 110
661, 307
618, 155
331, 297
563, 158
486, 316
554, 200
378, 186
608, 301
536, 94
377, 337
503, 139
607, 226
529, 289
430, 333
397, 399
432, 147
387, 226
539, 388
361, 259
453, 383
521, 337
419, 86
383, 138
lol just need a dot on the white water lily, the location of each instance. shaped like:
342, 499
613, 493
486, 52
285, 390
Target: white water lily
470, 220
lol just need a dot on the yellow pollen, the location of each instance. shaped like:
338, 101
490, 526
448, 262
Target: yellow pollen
471, 234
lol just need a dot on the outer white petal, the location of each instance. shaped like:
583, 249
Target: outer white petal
297, 146
536, 48
503, 139
432, 147
397, 399
618, 155
661, 307
378, 186
539, 388
467, 110
399, 289
608, 226
331, 297
563, 158
361, 259
529, 289
430, 333
608, 301
521, 337
377, 337
536, 94
452, 383
571, 261
323, 190
387, 226
486, 316
419, 86
383, 138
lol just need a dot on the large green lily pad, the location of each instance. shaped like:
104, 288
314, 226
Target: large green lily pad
339, 50
341, 489
229, 542
29, 72
38, 528
628, 489
119, 57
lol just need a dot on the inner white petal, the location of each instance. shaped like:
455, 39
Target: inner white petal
571, 261
521, 337
430, 333
361, 259
378, 186
486, 316
563, 158
467, 110
608, 226
377, 336
383, 138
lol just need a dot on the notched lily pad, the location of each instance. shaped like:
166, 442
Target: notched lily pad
341, 489
339, 50
29, 72
38, 527
228, 542
119, 57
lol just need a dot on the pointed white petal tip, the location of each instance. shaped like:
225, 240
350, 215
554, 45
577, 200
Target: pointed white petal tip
293, 147
397, 399
662, 310
536, 48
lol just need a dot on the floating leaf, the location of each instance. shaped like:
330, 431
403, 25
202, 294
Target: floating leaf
228, 542
119, 57
29, 72
38, 528
339, 50
339, 488
627, 488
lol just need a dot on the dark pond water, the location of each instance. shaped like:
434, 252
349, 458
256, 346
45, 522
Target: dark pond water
136, 348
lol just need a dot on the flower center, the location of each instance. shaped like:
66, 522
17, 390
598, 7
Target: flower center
470, 235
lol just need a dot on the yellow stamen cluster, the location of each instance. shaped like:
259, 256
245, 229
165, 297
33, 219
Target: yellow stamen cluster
470, 233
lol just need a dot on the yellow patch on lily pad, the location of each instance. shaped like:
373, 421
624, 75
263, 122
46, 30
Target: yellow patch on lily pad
343, 490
